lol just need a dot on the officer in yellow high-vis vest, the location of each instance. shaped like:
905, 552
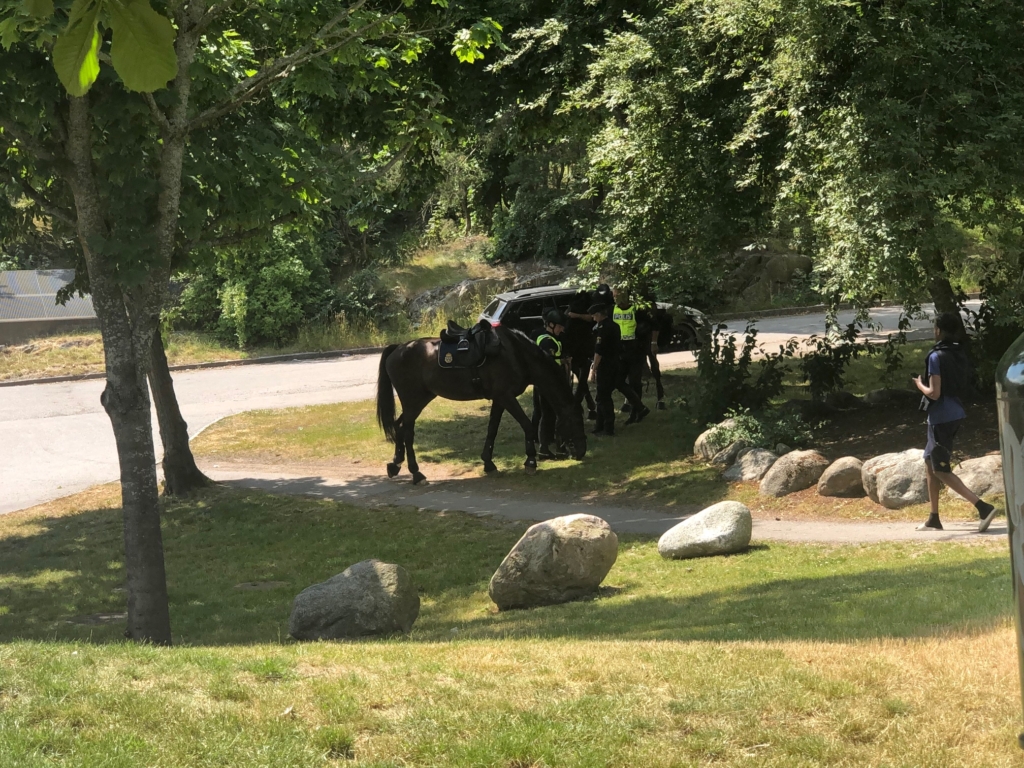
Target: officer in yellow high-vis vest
626, 316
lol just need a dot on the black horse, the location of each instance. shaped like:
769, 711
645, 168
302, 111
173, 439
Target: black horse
411, 369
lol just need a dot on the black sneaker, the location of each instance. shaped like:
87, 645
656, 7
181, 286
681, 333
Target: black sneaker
591, 415
986, 513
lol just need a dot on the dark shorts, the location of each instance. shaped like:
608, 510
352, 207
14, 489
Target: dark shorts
939, 450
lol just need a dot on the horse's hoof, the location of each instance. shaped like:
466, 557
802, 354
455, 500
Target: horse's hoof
418, 478
490, 467
530, 466
394, 469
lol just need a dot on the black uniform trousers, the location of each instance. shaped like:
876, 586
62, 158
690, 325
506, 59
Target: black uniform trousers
607, 379
543, 419
631, 374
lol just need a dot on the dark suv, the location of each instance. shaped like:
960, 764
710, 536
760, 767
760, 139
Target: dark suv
524, 310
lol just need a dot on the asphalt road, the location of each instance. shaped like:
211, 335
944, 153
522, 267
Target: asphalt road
55, 439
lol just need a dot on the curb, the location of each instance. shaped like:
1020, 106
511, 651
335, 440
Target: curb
213, 364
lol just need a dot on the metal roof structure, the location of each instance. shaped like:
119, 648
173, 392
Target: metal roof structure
28, 294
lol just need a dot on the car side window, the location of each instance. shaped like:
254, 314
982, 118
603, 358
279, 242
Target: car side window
531, 309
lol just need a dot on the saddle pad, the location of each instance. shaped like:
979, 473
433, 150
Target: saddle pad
450, 356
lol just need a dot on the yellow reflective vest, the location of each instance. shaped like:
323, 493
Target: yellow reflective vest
558, 345
626, 320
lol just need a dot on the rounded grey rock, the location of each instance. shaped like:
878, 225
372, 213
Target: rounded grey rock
793, 472
367, 599
842, 478
721, 529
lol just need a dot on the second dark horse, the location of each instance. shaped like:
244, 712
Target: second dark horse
411, 370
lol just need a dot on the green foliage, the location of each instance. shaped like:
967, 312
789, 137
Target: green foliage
364, 296
824, 369
728, 377
997, 323
893, 352
142, 45
76, 51
764, 429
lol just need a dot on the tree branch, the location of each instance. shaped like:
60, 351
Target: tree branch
158, 114
53, 210
30, 143
282, 67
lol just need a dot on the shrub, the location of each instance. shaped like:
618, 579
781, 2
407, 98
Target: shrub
996, 324
729, 378
763, 430
824, 369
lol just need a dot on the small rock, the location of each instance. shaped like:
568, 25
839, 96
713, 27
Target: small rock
556, 561
727, 455
720, 529
880, 396
702, 447
793, 472
842, 478
368, 598
983, 475
781, 449
896, 480
751, 465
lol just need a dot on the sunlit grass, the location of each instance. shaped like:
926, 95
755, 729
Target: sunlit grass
898, 654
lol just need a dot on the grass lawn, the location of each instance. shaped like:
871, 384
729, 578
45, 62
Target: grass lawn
648, 464
888, 655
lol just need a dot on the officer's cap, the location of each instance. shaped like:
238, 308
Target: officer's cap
598, 309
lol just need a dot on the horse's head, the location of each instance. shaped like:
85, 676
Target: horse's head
570, 429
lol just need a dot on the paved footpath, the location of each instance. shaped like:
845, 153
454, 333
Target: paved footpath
445, 495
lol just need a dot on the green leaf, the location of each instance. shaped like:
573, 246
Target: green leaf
8, 32
142, 47
40, 9
76, 52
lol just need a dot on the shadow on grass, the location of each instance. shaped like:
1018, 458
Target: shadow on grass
60, 576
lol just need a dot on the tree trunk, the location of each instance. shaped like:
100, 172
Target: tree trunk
181, 475
125, 397
940, 289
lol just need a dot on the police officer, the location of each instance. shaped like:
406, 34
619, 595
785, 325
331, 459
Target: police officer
605, 371
629, 318
550, 341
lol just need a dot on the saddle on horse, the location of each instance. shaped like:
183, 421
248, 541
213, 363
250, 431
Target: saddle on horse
467, 347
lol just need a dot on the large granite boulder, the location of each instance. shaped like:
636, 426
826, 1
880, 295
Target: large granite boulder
726, 456
366, 599
556, 561
896, 480
718, 530
705, 447
842, 478
751, 465
983, 475
793, 472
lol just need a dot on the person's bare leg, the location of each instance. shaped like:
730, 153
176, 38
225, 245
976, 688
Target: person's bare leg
956, 485
934, 486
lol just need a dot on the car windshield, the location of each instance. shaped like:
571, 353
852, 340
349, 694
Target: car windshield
494, 308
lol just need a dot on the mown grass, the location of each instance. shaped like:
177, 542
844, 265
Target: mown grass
787, 655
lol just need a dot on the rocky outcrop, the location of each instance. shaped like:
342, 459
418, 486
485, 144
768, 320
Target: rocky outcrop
370, 598
983, 475
718, 530
751, 465
793, 472
896, 480
726, 456
842, 478
556, 561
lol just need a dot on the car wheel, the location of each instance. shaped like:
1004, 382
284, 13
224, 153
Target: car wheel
684, 338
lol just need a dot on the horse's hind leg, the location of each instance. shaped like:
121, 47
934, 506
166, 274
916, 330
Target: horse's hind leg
396, 466
492, 434
414, 467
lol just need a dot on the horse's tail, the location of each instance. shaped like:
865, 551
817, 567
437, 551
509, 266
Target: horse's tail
386, 396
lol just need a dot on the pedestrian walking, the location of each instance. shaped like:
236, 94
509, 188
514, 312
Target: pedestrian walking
945, 382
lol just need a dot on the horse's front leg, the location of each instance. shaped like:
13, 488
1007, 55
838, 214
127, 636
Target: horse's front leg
512, 406
492, 433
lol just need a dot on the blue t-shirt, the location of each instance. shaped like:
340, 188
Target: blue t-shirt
945, 409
